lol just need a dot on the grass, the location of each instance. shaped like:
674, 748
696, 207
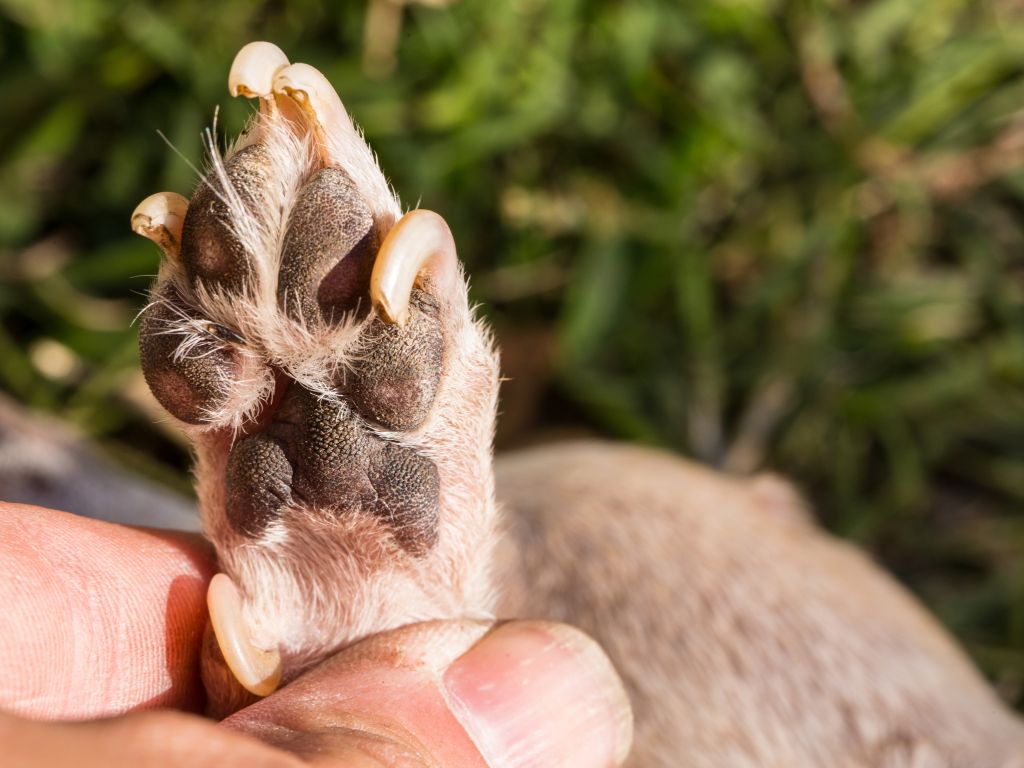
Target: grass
767, 234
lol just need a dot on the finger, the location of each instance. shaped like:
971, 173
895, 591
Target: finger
141, 740
97, 618
528, 694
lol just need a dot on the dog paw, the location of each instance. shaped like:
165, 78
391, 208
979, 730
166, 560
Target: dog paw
319, 349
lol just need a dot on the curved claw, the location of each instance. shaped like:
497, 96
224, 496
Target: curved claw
318, 101
253, 71
419, 244
159, 218
258, 670
337, 140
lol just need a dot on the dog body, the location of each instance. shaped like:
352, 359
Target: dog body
745, 634
320, 351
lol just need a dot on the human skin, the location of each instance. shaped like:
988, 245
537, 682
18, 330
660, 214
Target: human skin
102, 626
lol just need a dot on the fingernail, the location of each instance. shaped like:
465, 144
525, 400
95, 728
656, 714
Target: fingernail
534, 694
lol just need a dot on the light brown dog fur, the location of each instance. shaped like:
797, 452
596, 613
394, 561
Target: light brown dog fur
746, 635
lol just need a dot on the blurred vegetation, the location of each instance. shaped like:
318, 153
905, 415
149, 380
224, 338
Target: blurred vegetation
765, 233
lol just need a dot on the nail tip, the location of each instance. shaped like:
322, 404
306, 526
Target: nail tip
257, 670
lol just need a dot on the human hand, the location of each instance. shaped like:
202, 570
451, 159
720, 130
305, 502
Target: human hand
101, 620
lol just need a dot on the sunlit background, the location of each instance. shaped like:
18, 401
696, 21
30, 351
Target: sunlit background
765, 234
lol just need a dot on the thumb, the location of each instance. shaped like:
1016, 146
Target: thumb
459, 694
